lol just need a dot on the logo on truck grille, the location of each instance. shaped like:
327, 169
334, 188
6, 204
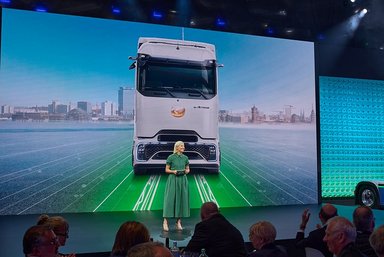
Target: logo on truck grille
177, 112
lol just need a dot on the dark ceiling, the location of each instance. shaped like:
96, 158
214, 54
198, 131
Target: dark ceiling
324, 21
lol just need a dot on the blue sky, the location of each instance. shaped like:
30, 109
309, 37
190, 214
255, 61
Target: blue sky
49, 57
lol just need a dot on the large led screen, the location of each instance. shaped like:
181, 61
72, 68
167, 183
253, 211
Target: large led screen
66, 129
351, 132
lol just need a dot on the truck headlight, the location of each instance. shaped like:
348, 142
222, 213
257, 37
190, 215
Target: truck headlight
212, 153
141, 152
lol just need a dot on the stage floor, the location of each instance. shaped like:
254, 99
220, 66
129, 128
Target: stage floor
95, 232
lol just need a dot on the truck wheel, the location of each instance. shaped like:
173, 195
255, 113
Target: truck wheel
367, 196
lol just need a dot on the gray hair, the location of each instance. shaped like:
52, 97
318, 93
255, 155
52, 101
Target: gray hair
341, 224
377, 241
264, 230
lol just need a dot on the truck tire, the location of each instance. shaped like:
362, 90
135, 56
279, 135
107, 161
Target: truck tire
368, 196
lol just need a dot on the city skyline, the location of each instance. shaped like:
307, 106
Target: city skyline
66, 59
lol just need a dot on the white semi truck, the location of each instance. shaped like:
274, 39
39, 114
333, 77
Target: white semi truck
176, 98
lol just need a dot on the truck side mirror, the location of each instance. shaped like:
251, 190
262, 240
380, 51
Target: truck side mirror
132, 66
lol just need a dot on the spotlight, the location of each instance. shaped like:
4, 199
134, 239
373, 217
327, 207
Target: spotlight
116, 10
362, 13
270, 31
352, 1
220, 22
40, 8
157, 14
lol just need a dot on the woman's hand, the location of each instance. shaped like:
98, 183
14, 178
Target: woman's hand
187, 170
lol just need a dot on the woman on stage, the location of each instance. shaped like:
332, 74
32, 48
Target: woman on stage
176, 196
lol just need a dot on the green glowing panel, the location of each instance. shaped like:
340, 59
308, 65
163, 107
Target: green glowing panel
351, 133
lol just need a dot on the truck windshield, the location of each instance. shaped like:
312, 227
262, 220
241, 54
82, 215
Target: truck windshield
176, 78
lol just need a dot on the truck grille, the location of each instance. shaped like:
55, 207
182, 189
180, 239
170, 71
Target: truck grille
162, 151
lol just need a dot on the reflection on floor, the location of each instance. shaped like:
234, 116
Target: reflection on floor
95, 232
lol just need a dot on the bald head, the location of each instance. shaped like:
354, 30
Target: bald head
208, 209
363, 219
326, 212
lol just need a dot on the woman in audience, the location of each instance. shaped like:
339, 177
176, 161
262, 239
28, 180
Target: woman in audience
262, 236
176, 195
60, 227
129, 234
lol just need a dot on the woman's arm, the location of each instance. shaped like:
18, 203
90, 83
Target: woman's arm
168, 169
187, 169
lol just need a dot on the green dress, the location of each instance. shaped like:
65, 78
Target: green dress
176, 196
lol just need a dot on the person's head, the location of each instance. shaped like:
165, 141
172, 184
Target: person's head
363, 219
326, 212
376, 240
262, 233
58, 224
129, 234
178, 147
339, 232
149, 249
208, 209
40, 241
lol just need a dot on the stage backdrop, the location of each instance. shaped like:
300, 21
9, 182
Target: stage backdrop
66, 147
351, 91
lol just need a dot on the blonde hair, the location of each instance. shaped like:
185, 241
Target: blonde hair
264, 230
178, 143
55, 222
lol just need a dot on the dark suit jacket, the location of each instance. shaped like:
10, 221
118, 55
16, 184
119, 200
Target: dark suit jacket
314, 240
219, 238
269, 250
350, 250
362, 243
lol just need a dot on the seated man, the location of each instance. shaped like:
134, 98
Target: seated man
262, 236
377, 241
40, 241
315, 237
149, 249
340, 237
365, 223
216, 235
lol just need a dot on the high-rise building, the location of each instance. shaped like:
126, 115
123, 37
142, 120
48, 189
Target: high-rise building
125, 104
52, 108
255, 114
108, 108
85, 106
6, 109
62, 108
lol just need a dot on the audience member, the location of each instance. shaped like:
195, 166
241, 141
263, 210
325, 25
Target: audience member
340, 237
59, 226
216, 235
40, 241
365, 223
262, 236
129, 234
315, 237
149, 249
377, 241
